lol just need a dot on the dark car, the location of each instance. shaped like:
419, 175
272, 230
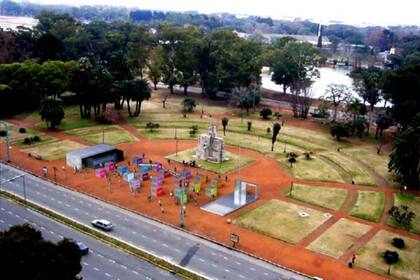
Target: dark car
82, 248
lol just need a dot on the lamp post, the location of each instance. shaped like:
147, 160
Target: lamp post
176, 143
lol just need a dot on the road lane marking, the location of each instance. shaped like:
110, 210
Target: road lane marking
238, 263
123, 266
85, 263
135, 272
111, 261
107, 274
227, 270
253, 269
201, 260
95, 268
165, 245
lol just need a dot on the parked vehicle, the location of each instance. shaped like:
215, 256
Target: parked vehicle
102, 224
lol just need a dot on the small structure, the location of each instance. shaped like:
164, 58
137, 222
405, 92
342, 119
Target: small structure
233, 201
94, 156
210, 147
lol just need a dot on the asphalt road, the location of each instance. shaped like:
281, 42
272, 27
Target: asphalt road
203, 257
102, 262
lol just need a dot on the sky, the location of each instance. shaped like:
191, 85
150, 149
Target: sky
359, 12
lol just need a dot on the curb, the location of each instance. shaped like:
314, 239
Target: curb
214, 241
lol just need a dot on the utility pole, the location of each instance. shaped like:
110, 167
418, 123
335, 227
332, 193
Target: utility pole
176, 143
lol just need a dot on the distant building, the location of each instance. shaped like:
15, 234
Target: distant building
312, 39
319, 43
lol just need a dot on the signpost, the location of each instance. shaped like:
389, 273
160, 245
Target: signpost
235, 239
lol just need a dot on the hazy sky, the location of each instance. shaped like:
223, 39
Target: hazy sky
380, 12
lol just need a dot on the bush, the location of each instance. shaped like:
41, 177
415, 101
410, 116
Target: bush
402, 215
22, 130
278, 115
110, 116
249, 125
152, 126
27, 141
398, 242
391, 257
36, 138
268, 129
266, 113
2, 133
193, 130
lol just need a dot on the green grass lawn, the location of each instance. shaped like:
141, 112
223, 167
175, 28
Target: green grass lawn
351, 168
379, 163
111, 134
43, 139
17, 138
235, 161
369, 205
407, 268
330, 198
339, 238
281, 220
54, 150
169, 133
314, 169
413, 203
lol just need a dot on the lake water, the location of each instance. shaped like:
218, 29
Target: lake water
328, 75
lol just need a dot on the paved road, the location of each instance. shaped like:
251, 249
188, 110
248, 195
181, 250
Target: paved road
102, 262
198, 255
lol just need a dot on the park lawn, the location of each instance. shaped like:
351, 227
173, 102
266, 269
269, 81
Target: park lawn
314, 169
369, 205
281, 220
169, 133
354, 171
83, 131
54, 150
235, 161
171, 120
17, 138
326, 197
43, 139
339, 238
112, 137
413, 203
379, 163
370, 256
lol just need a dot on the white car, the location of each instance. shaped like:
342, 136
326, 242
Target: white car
102, 224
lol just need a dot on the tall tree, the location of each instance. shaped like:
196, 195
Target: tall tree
405, 154
336, 94
52, 111
138, 91
26, 255
225, 122
276, 131
368, 84
155, 65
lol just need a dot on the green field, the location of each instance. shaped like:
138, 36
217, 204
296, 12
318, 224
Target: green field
54, 150
378, 163
339, 238
413, 203
281, 220
314, 169
369, 205
235, 161
352, 170
110, 134
326, 197
407, 268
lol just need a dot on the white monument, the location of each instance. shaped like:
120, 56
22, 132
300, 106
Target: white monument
210, 147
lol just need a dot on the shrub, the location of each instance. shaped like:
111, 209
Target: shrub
2, 133
193, 130
402, 215
266, 113
268, 129
307, 155
152, 126
110, 116
249, 125
27, 141
36, 138
278, 115
391, 257
22, 130
398, 242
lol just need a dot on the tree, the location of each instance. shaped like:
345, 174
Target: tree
405, 154
225, 122
138, 48
291, 158
52, 111
402, 215
368, 84
383, 122
48, 47
336, 94
339, 130
193, 130
26, 255
266, 113
391, 257
151, 126
188, 105
138, 91
155, 65
276, 131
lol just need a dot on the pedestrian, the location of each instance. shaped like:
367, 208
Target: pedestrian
162, 210
64, 171
207, 178
149, 198
55, 172
143, 156
226, 178
160, 203
185, 209
169, 161
353, 259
